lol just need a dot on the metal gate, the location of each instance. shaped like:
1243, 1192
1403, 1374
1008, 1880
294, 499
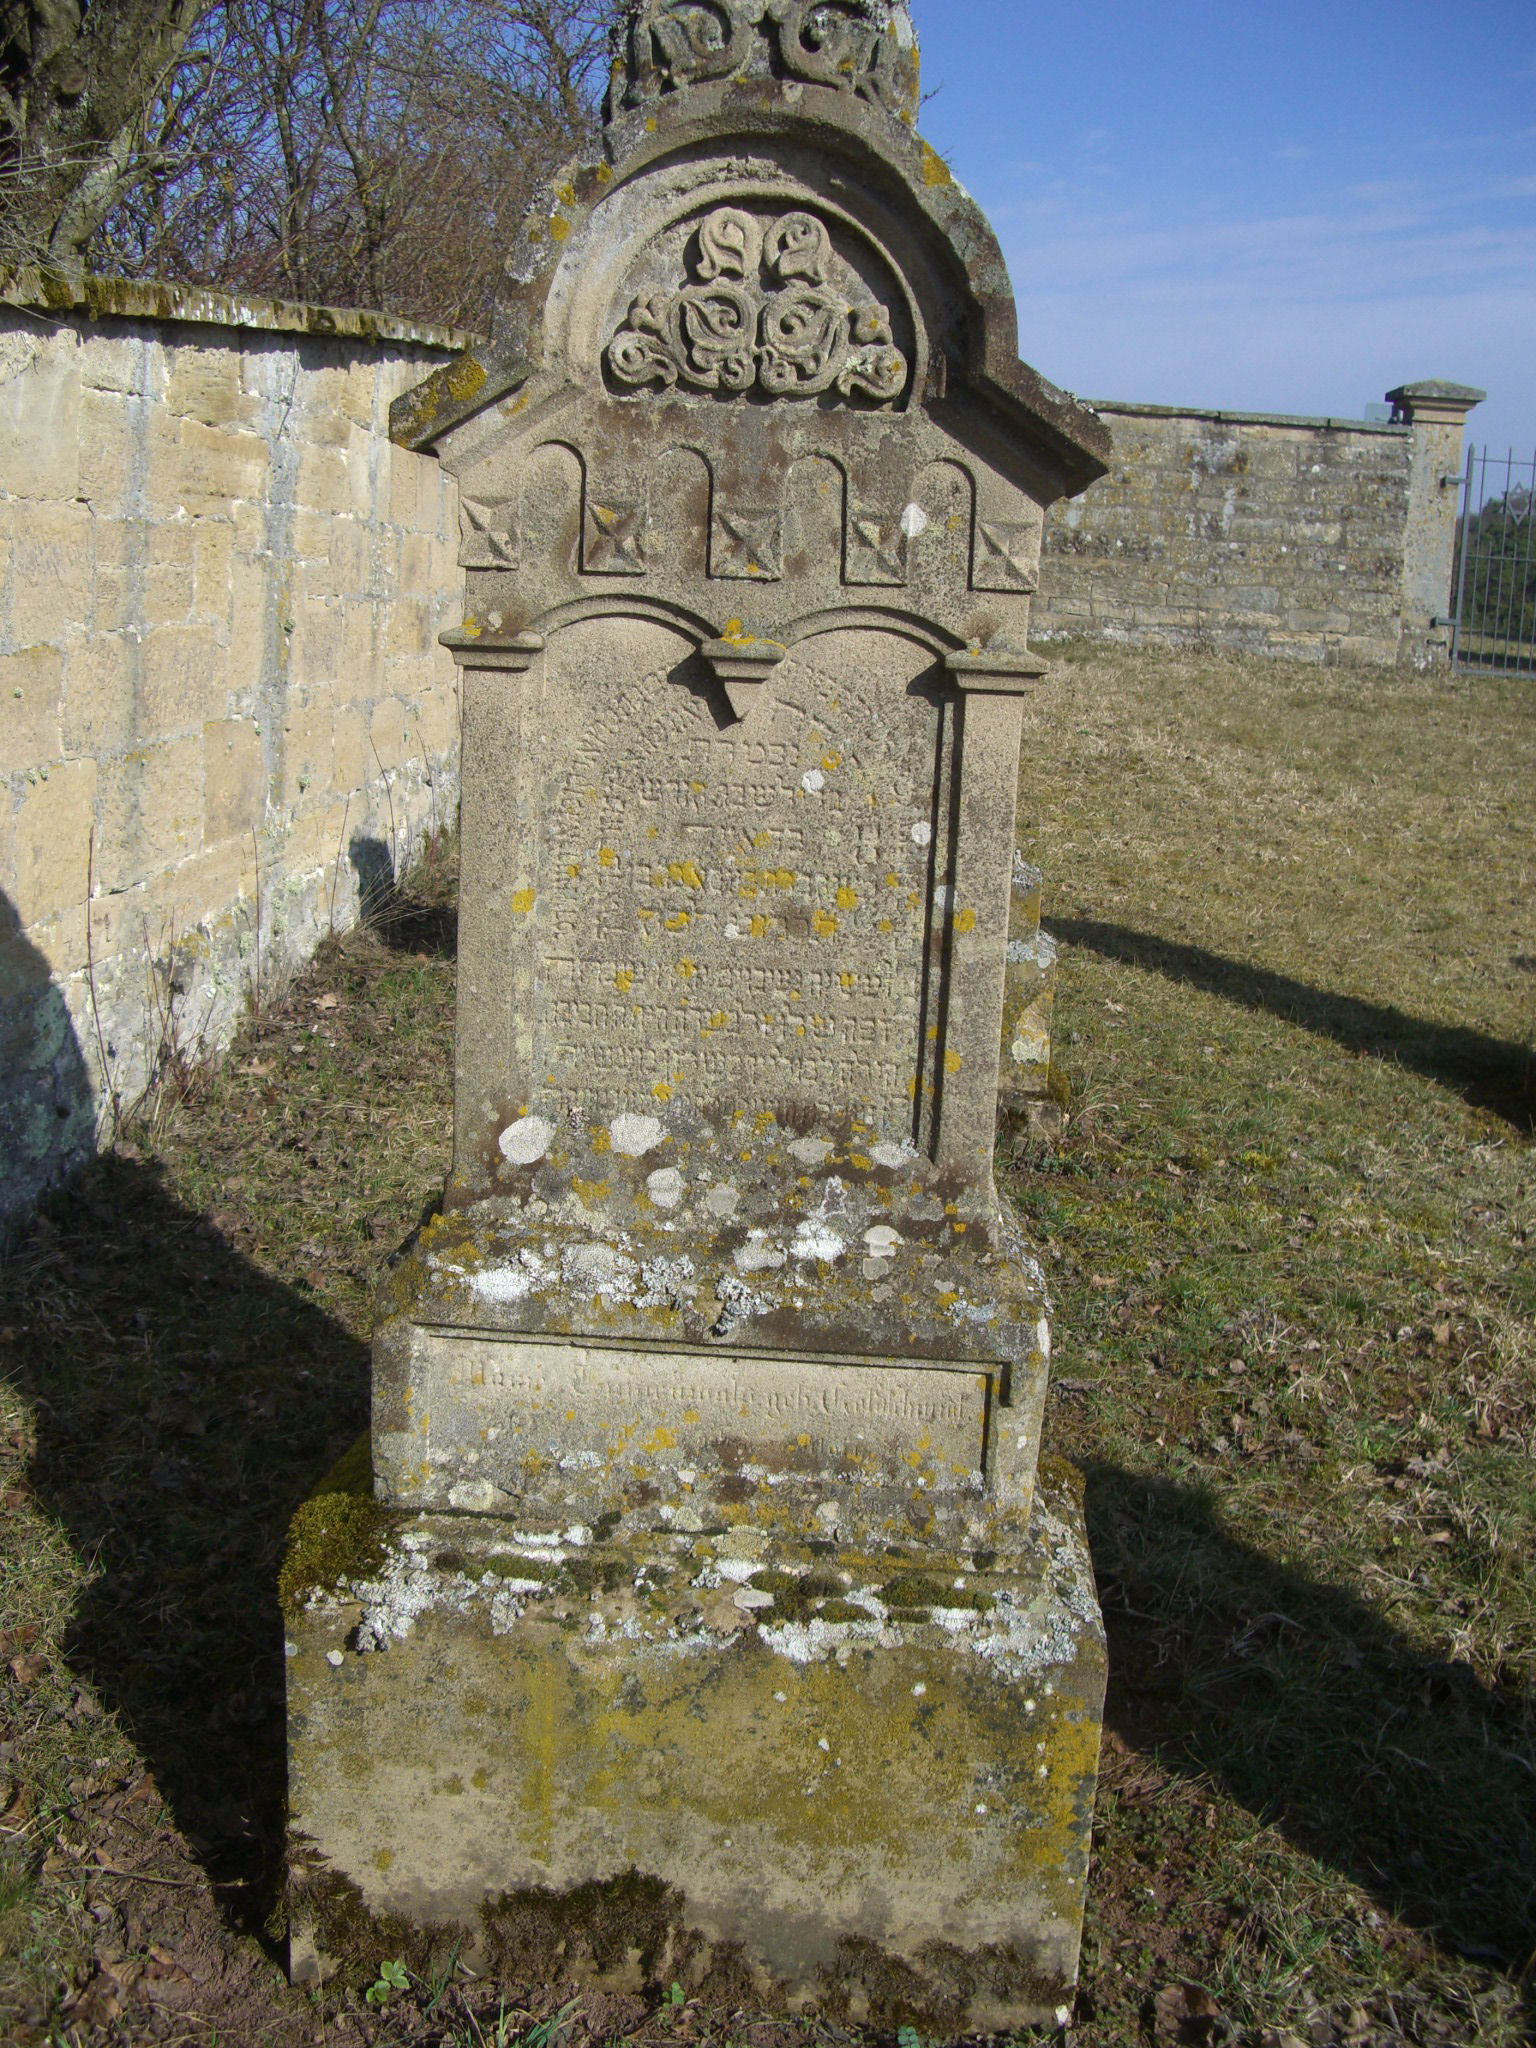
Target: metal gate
1495, 572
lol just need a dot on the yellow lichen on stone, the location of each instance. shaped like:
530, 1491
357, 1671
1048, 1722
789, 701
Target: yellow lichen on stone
464, 378
935, 170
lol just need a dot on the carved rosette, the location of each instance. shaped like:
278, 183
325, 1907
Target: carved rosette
858, 46
772, 308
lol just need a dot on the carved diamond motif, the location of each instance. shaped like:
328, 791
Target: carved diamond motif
1004, 556
875, 550
747, 544
485, 542
771, 306
613, 539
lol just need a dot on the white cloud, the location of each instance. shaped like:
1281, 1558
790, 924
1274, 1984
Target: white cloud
1311, 310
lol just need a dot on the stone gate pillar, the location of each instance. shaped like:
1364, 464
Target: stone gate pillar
1437, 413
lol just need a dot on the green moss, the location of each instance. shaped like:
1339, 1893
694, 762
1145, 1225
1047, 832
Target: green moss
842, 1610
586, 1575
927, 1589
538, 1934
338, 1533
352, 1471
797, 1594
347, 1934
504, 1567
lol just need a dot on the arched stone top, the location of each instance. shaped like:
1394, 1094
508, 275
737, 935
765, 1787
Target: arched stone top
769, 141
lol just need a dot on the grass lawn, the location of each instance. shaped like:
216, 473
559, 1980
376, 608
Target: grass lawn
1289, 1230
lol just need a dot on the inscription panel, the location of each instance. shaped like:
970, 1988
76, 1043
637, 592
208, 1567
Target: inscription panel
505, 1400
733, 914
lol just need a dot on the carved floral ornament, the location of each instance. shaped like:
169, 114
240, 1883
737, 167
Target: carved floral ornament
771, 308
860, 46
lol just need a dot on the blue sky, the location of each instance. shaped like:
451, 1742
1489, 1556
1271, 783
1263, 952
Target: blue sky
1268, 205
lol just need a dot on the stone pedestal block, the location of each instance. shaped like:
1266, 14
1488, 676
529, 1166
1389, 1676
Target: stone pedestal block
800, 1774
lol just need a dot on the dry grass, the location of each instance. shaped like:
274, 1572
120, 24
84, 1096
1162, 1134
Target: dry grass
1290, 1234
1289, 1231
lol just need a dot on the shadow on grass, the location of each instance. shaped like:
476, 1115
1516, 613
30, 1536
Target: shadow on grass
1489, 1073
186, 1401
421, 917
1402, 1771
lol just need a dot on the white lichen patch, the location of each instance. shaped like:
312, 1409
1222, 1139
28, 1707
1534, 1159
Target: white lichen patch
1040, 951
814, 1240
665, 1283
526, 1140
406, 1589
758, 1255
633, 1135
665, 1187
738, 1304
601, 1269
511, 1282
810, 1151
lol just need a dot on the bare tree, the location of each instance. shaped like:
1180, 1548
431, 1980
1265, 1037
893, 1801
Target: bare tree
366, 152
78, 85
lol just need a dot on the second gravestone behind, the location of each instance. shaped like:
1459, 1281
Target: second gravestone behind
706, 1603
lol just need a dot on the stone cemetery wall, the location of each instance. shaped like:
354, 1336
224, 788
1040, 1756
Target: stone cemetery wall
224, 712
223, 704
1321, 539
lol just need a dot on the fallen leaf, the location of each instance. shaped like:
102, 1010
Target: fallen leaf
1186, 2016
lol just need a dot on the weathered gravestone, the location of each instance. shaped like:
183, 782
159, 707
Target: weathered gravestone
706, 1620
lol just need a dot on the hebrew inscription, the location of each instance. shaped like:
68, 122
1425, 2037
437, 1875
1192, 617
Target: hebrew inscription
771, 307
734, 914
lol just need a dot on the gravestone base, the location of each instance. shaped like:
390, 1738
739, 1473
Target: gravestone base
800, 1774
678, 1369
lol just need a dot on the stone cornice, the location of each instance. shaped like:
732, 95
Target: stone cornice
53, 293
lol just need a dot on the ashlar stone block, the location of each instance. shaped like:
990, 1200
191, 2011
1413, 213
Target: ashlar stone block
31, 690
54, 819
234, 780
40, 425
